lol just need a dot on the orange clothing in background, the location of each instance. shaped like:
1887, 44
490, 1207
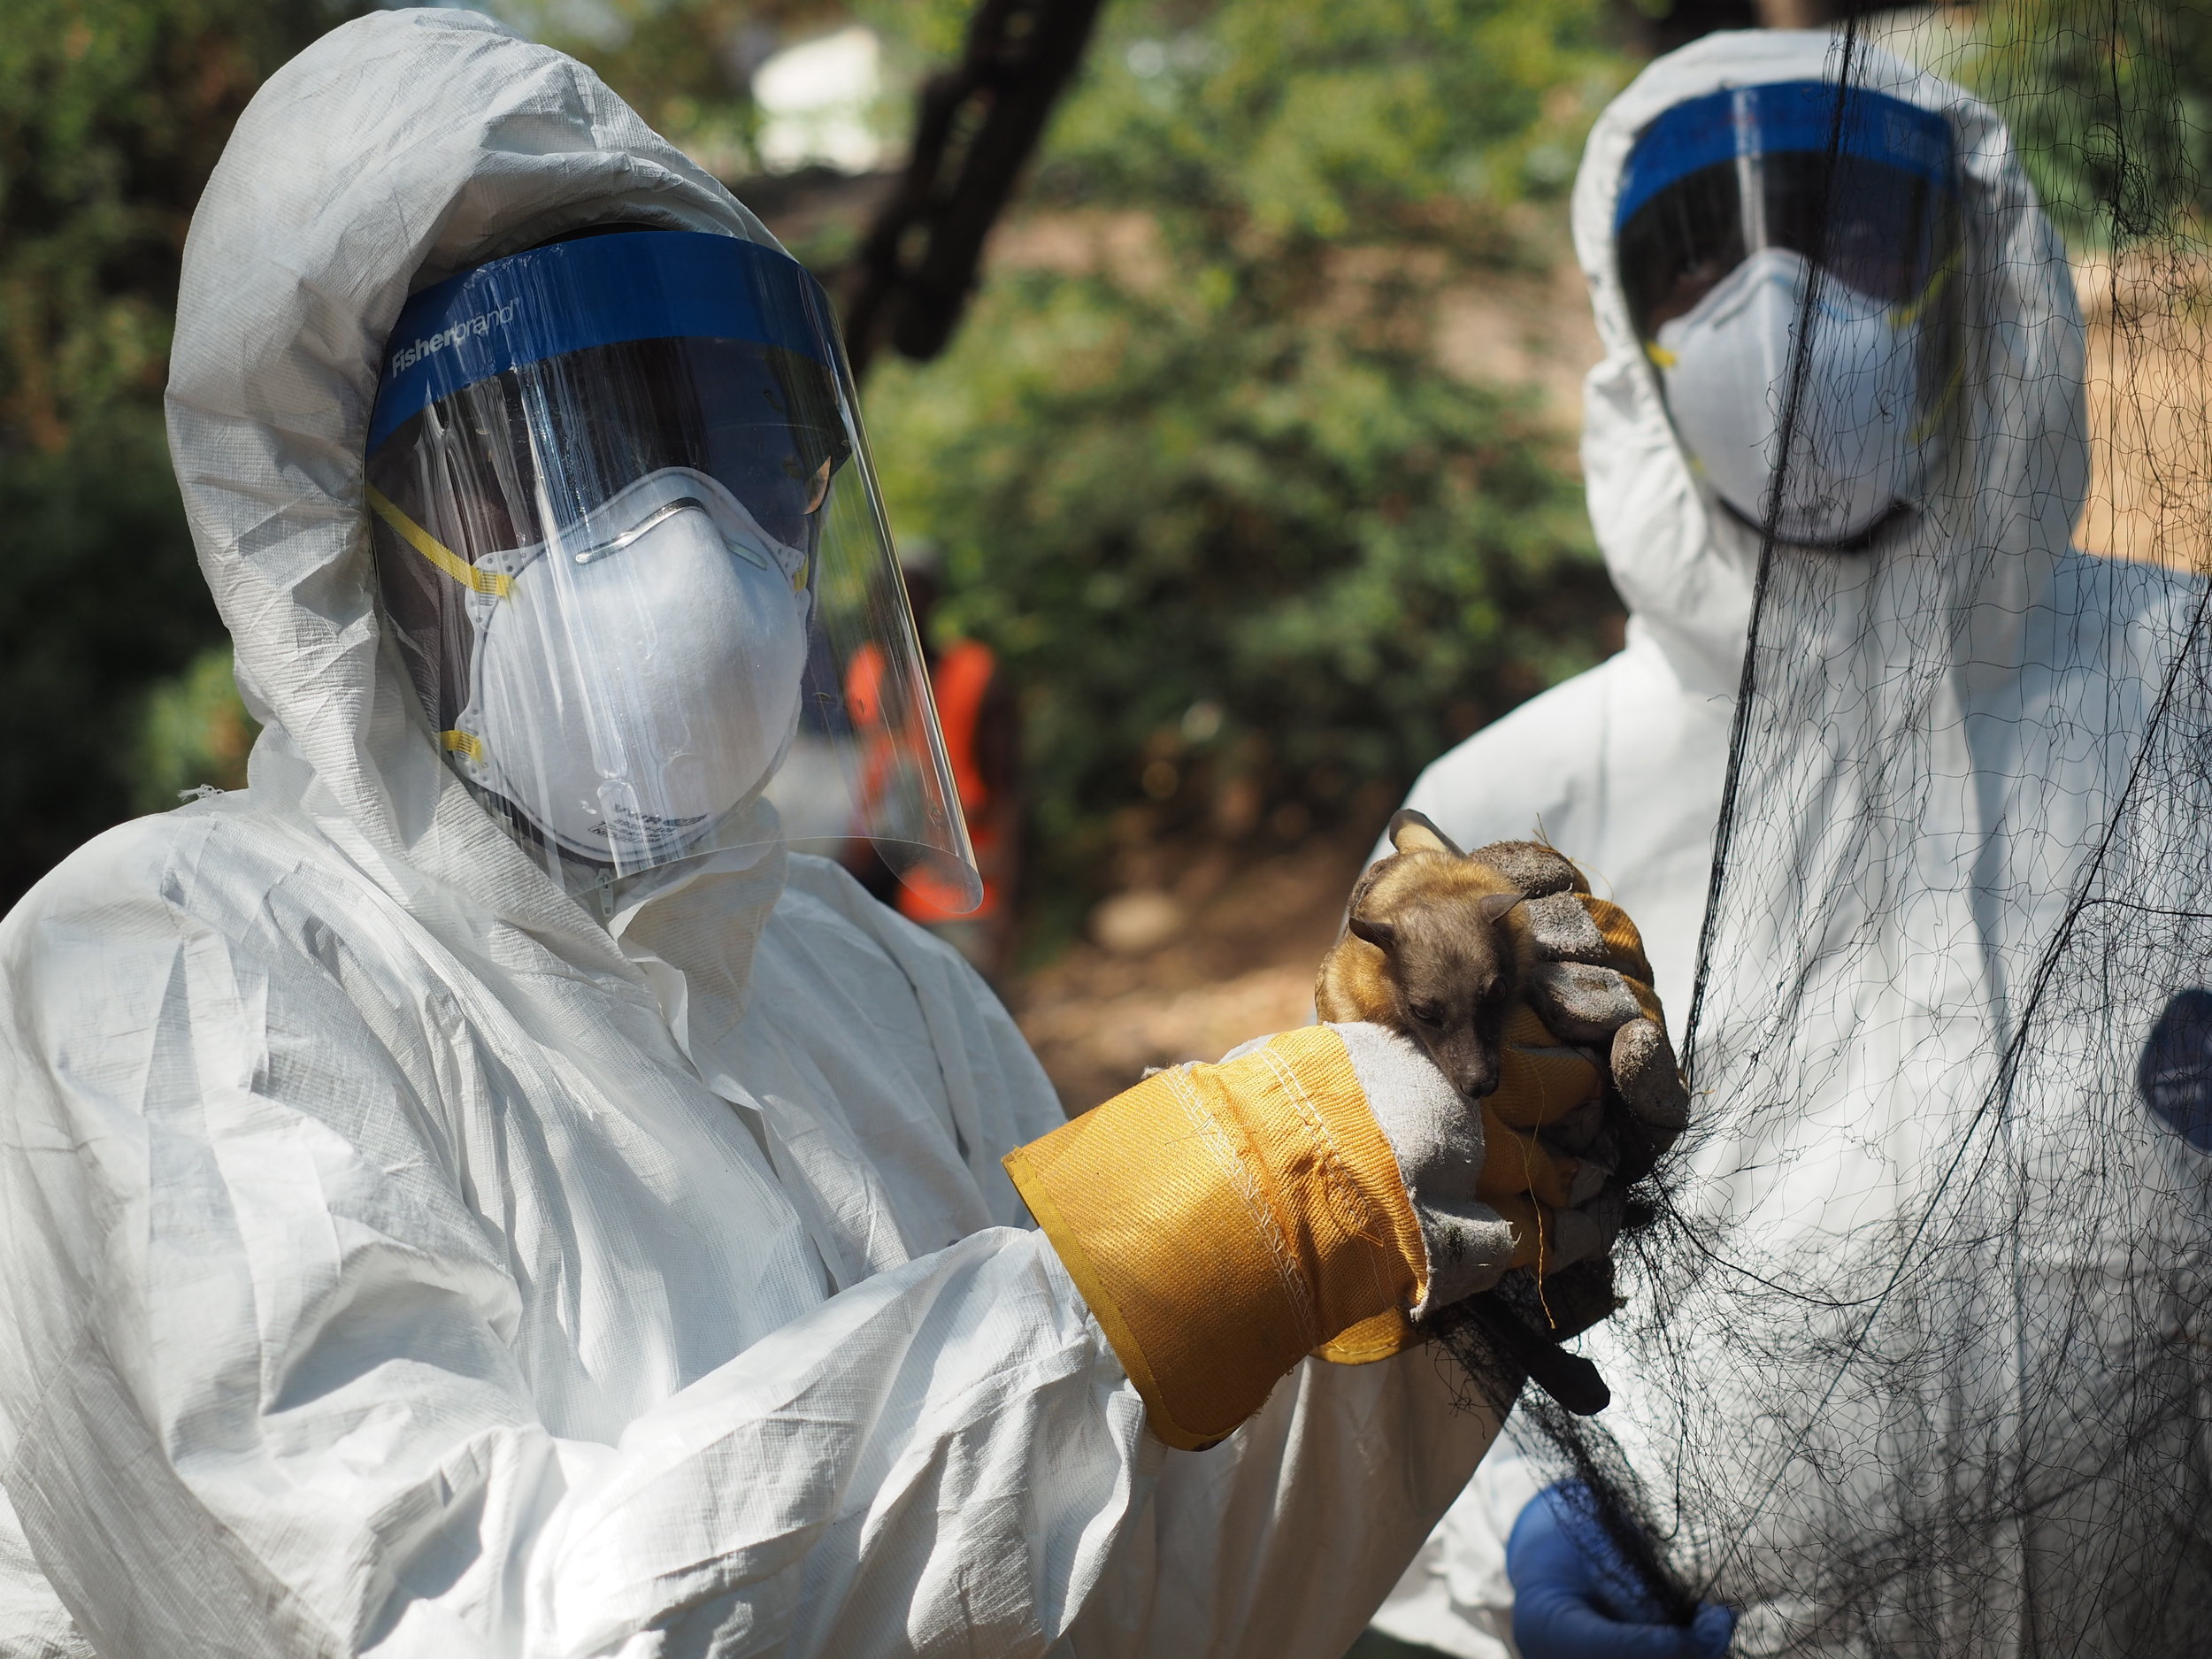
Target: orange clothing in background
961, 683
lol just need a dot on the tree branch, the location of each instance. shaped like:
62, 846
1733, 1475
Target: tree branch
974, 130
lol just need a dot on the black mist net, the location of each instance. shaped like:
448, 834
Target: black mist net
1916, 1355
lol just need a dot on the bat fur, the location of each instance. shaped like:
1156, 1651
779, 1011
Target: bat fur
1434, 948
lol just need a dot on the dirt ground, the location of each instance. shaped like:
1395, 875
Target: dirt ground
1223, 950
2150, 407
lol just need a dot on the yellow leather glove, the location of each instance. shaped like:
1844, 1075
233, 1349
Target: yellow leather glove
1222, 1221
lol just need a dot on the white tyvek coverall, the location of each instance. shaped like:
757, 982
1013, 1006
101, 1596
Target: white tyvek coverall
2052, 657
397, 1263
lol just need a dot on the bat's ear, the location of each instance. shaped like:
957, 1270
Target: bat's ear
1382, 935
1494, 905
1411, 831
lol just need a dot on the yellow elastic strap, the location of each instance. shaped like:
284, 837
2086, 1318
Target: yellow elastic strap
463, 742
1222, 1221
1661, 357
1940, 410
1911, 312
496, 583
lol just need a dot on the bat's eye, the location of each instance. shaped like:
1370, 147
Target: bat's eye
1427, 1013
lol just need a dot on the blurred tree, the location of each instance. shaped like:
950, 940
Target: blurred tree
1198, 473
2110, 106
194, 733
111, 114
976, 129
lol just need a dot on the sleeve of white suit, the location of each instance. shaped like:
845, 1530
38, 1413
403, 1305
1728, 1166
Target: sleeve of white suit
258, 1383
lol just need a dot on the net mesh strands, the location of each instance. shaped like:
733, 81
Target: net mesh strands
1916, 1357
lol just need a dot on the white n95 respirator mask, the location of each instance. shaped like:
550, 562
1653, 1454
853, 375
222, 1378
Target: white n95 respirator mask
641, 678
1736, 386
1787, 253
633, 557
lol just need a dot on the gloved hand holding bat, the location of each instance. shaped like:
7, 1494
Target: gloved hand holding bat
1531, 1081
1459, 1134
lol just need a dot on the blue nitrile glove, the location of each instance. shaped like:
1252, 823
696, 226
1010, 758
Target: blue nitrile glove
1575, 1597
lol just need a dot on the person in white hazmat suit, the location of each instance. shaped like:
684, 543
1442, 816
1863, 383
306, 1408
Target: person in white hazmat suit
1908, 506
475, 1192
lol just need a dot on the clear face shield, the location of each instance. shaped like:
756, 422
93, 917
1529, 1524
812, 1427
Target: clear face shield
1751, 211
632, 552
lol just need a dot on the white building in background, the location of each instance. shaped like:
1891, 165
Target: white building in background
816, 101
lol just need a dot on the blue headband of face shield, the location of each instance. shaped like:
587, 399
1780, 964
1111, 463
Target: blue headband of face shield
594, 291
1743, 122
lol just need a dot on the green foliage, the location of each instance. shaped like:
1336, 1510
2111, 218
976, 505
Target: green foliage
195, 734
2110, 107
99, 597
1273, 123
111, 114
1198, 475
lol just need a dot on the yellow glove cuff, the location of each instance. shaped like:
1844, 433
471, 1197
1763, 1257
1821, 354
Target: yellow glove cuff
1222, 1221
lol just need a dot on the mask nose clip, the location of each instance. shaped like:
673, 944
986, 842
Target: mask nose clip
659, 516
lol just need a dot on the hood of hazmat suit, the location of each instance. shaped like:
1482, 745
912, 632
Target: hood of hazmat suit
398, 1255
1940, 734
